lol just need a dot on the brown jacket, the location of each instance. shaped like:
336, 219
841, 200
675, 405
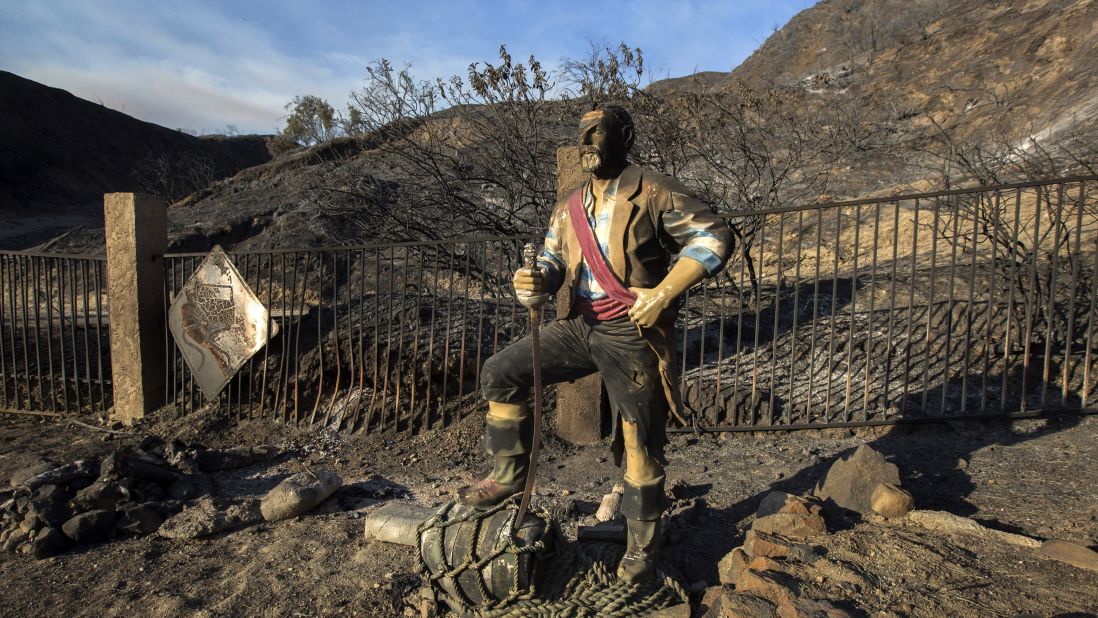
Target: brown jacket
641, 252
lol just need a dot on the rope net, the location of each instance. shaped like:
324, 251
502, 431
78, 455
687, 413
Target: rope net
572, 580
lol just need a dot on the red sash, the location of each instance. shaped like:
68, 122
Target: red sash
619, 298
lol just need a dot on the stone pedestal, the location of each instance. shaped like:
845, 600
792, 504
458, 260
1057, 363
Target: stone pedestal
136, 229
579, 403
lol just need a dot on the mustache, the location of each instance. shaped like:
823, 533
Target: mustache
590, 150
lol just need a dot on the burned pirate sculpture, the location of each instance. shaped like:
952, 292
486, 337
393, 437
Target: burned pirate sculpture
622, 248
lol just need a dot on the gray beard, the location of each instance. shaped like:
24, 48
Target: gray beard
590, 161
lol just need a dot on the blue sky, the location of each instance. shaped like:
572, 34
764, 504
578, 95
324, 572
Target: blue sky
202, 65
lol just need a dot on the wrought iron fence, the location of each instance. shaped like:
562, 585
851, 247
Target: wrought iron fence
960, 303
375, 338
952, 304
54, 334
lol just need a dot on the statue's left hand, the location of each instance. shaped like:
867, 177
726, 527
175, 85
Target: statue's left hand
651, 302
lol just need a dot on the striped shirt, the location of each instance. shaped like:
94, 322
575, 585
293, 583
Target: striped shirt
697, 243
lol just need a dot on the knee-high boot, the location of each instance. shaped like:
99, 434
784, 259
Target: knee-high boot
642, 505
508, 437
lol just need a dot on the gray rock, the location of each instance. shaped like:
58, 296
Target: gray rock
140, 519
21, 475
63, 475
49, 504
237, 457
772, 502
49, 542
299, 494
90, 527
142, 465
100, 495
850, 482
206, 517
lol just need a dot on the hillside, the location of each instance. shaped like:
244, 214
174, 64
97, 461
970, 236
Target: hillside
983, 73
59, 154
934, 94
1018, 68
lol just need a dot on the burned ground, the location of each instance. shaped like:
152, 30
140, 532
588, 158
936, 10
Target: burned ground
1032, 477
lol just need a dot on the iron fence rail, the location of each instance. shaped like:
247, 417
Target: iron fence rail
379, 337
54, 334
954, 304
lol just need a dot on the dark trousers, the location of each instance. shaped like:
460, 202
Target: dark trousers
577, 347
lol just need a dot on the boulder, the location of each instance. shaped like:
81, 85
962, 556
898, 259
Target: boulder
90, 527
299, 494
774, 586
140, 519
891, 501
236, 457
850, 481
791, 525
729, 567
207, 517
24, 474
49, 542
1070, 553
724, 602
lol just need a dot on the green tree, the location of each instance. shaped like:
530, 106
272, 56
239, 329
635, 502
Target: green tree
311, 121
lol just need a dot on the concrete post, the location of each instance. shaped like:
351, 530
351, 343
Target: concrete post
136, 228
579, 403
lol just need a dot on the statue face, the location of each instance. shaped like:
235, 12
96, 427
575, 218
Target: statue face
602, 143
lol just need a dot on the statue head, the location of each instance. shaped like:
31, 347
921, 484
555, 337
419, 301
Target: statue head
605, 136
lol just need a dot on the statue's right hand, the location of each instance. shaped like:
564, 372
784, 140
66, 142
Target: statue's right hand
529, 281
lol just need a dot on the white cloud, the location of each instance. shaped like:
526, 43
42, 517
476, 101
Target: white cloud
153, 65
207, 63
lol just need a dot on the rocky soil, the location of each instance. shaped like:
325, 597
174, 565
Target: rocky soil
1033, 479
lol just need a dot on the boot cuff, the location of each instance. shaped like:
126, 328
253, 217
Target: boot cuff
643, 501
508, 437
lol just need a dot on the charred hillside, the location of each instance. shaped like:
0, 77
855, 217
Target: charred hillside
59, 154
851, 98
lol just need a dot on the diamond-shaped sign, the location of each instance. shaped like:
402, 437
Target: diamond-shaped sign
218, 322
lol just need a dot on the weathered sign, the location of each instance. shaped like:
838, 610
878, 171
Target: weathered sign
218, 322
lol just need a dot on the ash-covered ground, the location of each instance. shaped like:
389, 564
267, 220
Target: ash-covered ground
1034, 478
